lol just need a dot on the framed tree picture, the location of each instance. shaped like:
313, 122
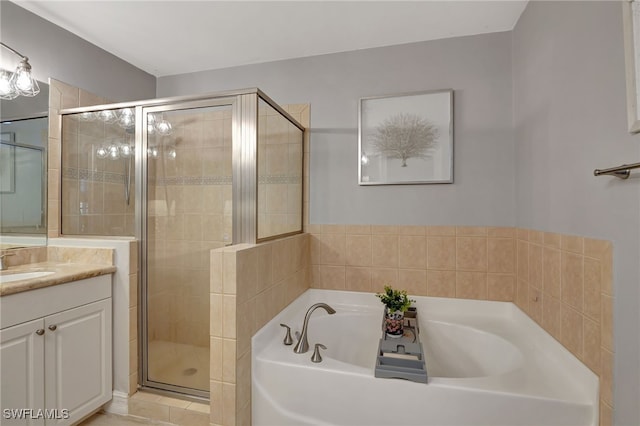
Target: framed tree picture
406, 139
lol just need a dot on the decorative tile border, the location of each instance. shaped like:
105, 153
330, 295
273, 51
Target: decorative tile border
92, 175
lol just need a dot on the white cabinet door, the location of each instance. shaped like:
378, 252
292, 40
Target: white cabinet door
22, 373
78, 360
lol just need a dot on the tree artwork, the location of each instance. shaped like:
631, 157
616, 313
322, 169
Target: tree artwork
403, 136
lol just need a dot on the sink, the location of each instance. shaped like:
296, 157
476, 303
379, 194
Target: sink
23, 276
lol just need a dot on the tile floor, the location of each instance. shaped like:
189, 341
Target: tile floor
108, 419
179, 364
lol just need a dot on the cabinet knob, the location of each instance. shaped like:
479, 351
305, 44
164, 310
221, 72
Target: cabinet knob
40, 332
53, 327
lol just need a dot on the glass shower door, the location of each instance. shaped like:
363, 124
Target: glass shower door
188, 212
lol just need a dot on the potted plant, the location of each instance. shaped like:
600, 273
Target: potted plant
396, 303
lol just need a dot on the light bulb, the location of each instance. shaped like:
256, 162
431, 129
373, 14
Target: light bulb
364, 159
101, 152
164, 127
23, 81
7, 91
172, 154
107, 115
86, 116
152, 152
125, 150
113, 152
126, 118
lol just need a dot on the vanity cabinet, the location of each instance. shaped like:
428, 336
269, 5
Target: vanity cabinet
58, 364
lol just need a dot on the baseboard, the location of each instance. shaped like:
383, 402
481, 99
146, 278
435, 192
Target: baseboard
119, 404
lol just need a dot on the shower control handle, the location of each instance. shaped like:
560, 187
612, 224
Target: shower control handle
288, 340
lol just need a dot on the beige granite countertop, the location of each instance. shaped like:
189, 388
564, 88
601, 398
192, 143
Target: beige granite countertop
64, 272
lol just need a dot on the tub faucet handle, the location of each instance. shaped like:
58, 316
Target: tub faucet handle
316, 353
287, 338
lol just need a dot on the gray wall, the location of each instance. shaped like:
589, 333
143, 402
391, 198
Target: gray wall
570, 118
478, 68
57, 53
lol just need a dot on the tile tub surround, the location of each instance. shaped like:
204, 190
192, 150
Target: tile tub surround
250, 284
562, 282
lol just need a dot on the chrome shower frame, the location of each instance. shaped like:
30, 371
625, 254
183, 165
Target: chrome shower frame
244, 105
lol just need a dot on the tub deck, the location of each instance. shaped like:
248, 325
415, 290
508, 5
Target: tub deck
488, 364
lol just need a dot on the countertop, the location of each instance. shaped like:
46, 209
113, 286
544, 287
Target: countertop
62, 273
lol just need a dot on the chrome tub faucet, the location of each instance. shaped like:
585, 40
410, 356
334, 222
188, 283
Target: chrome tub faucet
303, 344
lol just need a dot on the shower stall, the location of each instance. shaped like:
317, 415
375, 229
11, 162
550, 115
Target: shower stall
183, 176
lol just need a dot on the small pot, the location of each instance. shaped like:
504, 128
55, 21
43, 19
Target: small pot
394, 323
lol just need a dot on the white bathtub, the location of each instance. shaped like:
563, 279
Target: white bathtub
488, 364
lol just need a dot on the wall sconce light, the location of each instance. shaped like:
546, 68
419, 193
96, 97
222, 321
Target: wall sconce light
19, 82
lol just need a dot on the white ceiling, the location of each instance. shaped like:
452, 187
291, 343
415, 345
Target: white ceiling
174, 37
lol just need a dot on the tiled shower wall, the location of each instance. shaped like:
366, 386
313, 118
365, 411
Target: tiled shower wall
562, 282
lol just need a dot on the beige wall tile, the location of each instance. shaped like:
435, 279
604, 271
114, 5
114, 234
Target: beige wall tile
384, 229
591, 348
441, 253
215, 272
358, 229
592, 274
501, 232
471, 285
265, 260
500, 287
381, 277
327, 249
229, 316
471, 254
536, 237
471, 231
412, 230
552, 240
606, 283
595, 249
535, 304
413, 280
522, 259
358, 279
328, 277
572, 278
572, 330
384, 251
442, 231
229, 360
441, 283
606, 376
501, 255
228, 404
216, 401
535, 266
607, 322
216, 359
229, 272
412, 252
522, 294
551, 261
358, 250
523, 234
572, 243
551, 315
216, 315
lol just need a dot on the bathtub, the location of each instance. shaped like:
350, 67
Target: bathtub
488, 364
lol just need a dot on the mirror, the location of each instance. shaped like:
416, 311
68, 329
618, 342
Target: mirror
24, 129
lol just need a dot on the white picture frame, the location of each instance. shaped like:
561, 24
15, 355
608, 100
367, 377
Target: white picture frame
406, 138
631, 27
